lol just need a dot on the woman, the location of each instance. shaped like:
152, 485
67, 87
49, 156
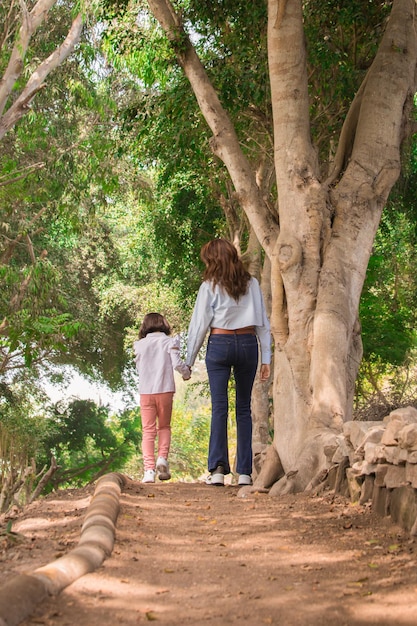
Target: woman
229, 304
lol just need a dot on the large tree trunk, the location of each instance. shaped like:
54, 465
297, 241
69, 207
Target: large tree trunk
320, 250
327, 231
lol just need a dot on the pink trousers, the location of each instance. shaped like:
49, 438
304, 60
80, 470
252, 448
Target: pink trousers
156, 412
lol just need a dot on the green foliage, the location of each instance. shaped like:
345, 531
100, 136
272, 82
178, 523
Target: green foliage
388, 306
23, 429
389, 298
131, 40
32, 326
87, 441
382, 387
189, 447
168, 133
230, 37
53, 171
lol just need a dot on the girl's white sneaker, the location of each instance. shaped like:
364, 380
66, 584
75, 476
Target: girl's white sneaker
149, 476
162, 468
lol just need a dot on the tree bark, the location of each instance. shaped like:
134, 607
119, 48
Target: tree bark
327, 234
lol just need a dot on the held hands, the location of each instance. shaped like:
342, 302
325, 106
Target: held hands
265, 372
185, 377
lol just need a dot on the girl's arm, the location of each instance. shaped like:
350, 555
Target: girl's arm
177, 363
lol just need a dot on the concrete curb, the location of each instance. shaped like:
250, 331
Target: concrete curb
21, 594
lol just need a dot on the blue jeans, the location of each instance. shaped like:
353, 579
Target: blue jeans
225, 352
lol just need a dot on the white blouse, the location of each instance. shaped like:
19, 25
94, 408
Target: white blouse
216, 309
156, 357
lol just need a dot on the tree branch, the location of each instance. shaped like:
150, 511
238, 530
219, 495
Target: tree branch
384, 94
224, 143
35, 82
44, 480
18, 297
30, 22
25, 172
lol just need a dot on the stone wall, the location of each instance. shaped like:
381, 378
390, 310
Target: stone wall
376, 462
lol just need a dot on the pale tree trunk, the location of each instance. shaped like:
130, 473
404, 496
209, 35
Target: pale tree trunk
327, 232
320, 250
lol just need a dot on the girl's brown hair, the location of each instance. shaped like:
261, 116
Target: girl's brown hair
224, 268
154, 323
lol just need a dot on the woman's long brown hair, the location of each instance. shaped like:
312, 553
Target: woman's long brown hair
224, 268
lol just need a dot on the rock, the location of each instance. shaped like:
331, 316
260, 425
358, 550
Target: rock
364, 468
380, 472
392, 431
407, 414
383, 464
411, 474
395, 476
344, 450
412, 456
367, 489
375, 453
373, 435
355, 432
395, 455
407, 437
354, 484
403, 507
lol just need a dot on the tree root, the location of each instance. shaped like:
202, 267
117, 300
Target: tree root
20, 595
271, 471
312, 466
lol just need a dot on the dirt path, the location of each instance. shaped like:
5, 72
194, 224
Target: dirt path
194, 554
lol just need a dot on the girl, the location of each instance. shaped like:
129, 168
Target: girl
156, 357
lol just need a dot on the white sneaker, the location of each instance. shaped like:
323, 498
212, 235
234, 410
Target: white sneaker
149, 476
217, 476
244, 479
162, 468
